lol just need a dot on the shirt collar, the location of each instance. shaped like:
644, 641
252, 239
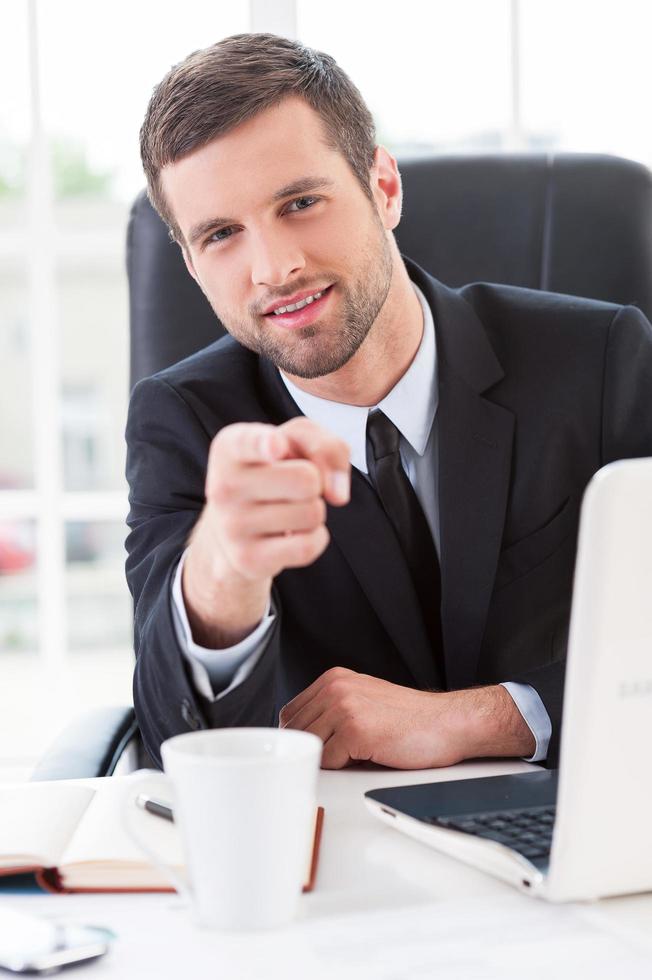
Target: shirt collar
411, 404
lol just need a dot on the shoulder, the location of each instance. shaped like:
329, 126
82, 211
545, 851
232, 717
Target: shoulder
536, 308
221, 361
548, 342
524, 323
219, 384
538, 325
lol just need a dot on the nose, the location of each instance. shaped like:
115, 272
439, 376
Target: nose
276, 257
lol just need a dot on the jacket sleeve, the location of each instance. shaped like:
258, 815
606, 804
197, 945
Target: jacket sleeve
626, 433
167, 452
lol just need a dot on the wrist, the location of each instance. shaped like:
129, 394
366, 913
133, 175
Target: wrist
490, 724
222, 606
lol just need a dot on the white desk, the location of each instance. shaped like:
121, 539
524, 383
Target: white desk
384, 907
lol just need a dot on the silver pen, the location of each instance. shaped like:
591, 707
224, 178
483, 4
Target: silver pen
157, 807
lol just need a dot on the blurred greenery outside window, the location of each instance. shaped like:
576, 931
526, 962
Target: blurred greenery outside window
72, 175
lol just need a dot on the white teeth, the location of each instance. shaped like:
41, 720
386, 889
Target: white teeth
298, 306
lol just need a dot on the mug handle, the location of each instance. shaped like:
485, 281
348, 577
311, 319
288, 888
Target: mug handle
155, 783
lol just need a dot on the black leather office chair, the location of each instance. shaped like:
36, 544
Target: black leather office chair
569, 223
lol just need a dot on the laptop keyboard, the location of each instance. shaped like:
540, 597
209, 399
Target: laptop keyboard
528, 830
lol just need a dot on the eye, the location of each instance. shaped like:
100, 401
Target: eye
302, 203
220, 235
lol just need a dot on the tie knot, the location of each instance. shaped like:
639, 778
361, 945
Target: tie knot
382, 434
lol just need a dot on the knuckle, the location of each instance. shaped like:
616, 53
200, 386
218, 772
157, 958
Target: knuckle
306, 548
299, 424
307, 479
315, 512
305, 551
218, 441
338, 689
222, 491
227, 437
350, 705
321, 539
237, 431
230, 442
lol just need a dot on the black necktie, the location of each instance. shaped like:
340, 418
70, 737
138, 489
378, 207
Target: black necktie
404, 511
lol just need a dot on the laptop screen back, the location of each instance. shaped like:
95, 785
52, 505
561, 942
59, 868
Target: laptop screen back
602, 839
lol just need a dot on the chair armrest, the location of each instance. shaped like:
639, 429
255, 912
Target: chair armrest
90, 746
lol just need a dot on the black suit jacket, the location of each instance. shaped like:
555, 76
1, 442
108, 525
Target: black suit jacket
536, 392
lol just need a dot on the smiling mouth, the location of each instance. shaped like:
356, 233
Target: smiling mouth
304, 313
281, 310
300, 305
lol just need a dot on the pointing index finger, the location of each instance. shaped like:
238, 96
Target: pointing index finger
251, 443
308, 440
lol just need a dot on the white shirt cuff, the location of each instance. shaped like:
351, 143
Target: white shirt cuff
217, 672
534, 715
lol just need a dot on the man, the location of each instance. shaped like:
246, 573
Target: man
357, 515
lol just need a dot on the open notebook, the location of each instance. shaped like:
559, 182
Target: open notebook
69, 836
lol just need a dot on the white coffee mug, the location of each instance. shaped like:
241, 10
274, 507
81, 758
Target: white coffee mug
245, 802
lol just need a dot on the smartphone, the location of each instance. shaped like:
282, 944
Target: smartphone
31, 944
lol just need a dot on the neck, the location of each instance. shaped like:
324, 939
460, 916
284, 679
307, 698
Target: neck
385, 355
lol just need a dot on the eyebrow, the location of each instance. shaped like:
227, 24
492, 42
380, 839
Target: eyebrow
301, 186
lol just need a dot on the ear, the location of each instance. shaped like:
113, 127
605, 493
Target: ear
386, 187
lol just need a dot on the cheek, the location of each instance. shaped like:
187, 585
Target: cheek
336, 242
224, 281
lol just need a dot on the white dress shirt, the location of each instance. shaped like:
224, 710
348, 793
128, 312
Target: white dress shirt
412, 406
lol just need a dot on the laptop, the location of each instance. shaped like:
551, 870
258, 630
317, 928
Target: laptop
582, 831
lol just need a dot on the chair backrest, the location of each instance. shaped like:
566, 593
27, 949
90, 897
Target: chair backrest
570, 223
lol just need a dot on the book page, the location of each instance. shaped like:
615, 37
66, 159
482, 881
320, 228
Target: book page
101, 839
37, 820
101, 854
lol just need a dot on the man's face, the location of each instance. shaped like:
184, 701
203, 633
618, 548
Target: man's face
292, 223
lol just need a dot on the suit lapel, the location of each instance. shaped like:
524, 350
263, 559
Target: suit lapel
475, 451
474, 468
364, 536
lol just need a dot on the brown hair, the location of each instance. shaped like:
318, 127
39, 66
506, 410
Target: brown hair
216, 88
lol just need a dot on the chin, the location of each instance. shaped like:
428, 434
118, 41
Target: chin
312, 367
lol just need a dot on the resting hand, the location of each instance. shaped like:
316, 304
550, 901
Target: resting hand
362, 718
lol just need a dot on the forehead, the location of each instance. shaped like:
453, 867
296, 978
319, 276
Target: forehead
242, 169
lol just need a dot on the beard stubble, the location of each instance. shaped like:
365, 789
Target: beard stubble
324, 347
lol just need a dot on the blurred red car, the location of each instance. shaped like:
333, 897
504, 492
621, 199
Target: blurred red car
17, 551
